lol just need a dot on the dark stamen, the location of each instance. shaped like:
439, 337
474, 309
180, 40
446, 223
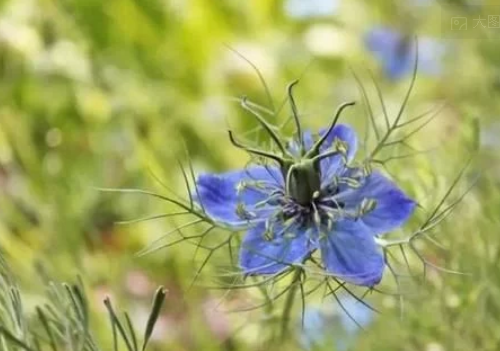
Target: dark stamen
333, 204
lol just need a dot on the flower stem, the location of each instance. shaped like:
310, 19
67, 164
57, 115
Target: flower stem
287, 309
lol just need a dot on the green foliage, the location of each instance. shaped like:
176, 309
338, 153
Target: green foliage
62, 321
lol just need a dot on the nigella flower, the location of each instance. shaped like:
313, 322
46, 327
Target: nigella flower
311, 198
396, 52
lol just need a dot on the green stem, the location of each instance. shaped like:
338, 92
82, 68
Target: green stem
290, 298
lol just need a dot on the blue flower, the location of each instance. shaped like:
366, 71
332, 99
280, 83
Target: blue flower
309, 9
396, 52
312, 199
330, 324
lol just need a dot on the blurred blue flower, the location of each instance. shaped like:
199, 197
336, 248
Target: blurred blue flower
422, 3
358, 312
315, 199
489, 136
331, 324
311, 8
396, 52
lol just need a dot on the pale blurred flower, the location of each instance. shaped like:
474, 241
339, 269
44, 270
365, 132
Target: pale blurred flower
452, 300
423, 3
53, 137
93, 104
164, 329
389, 301
21, 11
99, 294
213, 109
138, 283
65, 58
20, 37
16, 30
434, 346
178, 7
258, 55
304, 9
52, 163
326, 40
489, 136
217, 321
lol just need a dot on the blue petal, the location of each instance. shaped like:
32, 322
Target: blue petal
272, 254
388, 46
398, 66
331, 166
219, 197
393, 208
350, 253
294, 145
396, 52
382, 41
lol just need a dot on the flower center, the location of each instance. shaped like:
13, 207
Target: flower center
303, 181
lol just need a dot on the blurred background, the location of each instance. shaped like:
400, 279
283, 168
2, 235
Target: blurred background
112, 93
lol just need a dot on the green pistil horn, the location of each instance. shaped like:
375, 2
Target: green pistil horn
314, 151
296, 116
302, 174
267, 127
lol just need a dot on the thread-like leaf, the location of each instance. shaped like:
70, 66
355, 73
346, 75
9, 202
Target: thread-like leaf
158, 300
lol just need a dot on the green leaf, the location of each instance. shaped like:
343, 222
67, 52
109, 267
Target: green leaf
153, 316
